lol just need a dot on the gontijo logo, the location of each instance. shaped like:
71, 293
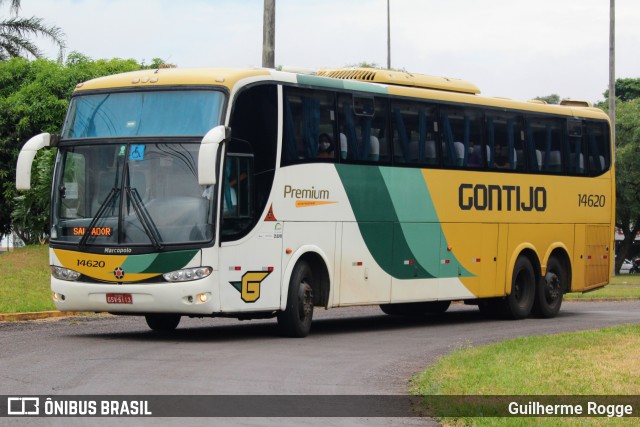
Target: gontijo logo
483, 197
249, 287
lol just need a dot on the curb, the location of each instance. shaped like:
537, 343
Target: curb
9, 317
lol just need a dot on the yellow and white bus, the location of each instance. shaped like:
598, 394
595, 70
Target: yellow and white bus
256, 193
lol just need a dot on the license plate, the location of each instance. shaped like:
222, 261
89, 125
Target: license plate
119, 299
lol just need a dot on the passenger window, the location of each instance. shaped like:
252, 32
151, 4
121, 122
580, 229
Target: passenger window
309, 126
576, 147
505, 142
462, 138
237, 197
73, 203
598, 147
363, 129
415, 133
544, 142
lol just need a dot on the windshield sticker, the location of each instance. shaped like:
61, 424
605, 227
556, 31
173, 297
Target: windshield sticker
137, 152
122, 151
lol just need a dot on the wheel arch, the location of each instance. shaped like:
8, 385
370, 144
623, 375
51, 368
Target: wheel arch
560, 252
319, 264
529, 251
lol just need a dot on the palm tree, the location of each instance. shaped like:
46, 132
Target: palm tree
14, 34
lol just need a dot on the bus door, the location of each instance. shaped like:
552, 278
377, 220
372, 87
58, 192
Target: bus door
251, 248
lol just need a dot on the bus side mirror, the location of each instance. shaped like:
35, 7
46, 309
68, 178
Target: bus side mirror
207, 156
26, 156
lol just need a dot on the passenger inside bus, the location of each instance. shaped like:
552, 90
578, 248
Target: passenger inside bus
230, 202
501, 160
325, 147
475, 155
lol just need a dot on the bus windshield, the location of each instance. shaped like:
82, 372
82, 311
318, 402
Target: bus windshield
143, 113
131, 194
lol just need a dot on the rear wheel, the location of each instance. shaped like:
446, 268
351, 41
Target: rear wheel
549, 291
518, 304
163, 322
295, 320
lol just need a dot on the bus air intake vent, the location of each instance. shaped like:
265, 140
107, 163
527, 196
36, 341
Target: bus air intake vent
350, 74
401, 78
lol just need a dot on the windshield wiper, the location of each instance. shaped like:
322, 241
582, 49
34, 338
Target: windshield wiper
103, 207
148, 225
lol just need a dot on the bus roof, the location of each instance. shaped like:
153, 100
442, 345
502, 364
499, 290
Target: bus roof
173, 76
378, 81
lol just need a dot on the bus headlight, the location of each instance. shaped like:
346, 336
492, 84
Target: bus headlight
187, 274
64, 273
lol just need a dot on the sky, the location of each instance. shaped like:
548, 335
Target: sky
510, 48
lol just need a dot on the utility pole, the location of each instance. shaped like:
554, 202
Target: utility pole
612, 68
389, 35
269, 34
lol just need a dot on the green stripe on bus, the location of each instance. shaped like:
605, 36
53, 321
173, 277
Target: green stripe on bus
163, 262
328, 82
378, 222
398, 222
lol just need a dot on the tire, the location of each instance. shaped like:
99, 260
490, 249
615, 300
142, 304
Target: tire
295, 320
489, 308
550, 290
518, 304
163, 322
392, 309
415, 308
436, 307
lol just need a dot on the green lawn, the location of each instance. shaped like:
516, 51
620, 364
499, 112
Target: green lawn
624, 286
601, 362
25, 284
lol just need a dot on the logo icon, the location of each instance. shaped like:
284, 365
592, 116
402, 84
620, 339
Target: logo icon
249, 287
23, 406
118, 273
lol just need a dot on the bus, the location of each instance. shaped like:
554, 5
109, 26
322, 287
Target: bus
256, 193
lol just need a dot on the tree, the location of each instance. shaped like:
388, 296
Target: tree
15, 32
627, 175
626, 89
554, 98
627, 164
31, 214
33, 99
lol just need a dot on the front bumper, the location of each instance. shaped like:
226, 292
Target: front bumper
179, 298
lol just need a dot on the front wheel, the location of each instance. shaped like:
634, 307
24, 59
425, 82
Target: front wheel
162, 322
295, 320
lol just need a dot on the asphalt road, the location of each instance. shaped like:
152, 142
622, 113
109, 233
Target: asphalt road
350, 351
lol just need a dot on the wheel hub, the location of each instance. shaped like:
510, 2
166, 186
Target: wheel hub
552, 286
306, 300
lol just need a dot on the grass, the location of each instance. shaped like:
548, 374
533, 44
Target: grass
622, 287
25, 284
601, 362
